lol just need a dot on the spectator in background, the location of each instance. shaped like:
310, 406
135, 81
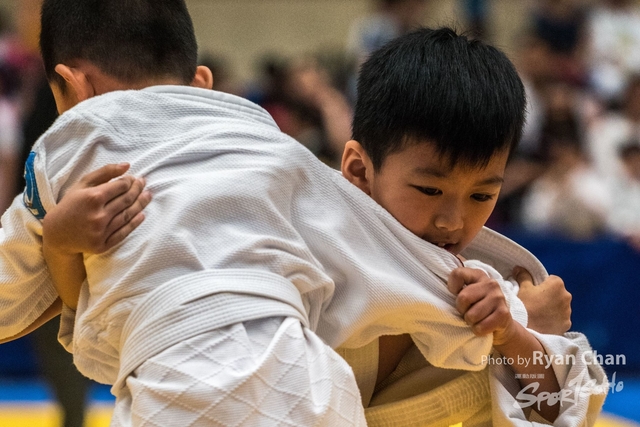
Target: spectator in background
551, 92
391, 18
9, 134
624, 219
569, 197
535, 66
223, 78
613, 30
609, 132
536, 69
9, 110
476, 13
311, 85
559, 24
552, 50
306, 105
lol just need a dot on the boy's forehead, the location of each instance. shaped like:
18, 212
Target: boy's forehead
422, 157
428, 151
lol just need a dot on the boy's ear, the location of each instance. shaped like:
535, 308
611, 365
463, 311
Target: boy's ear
356, 166
77, 81
203, 78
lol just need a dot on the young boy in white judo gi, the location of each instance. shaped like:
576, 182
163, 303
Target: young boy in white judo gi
431, 139
471, 183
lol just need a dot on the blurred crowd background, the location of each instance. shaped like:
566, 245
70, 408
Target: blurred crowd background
576, 175
577, 172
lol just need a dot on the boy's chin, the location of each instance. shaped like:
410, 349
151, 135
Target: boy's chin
451, 248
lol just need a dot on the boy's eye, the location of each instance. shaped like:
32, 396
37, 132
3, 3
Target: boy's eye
429, 191
482, 197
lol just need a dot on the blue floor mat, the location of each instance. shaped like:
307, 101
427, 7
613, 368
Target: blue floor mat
34, 390
625, 402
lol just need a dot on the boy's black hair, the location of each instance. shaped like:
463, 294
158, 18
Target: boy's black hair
131, 40
436, 86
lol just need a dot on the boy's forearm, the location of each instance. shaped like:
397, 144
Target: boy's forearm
67, 273
520, 349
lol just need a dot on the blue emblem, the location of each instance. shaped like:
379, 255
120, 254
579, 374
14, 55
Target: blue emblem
31, 197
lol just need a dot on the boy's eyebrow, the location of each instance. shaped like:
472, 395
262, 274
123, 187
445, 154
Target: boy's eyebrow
494, 180
427, 170
438, 173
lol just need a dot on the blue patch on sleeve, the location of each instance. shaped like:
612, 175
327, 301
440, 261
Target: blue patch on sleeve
31, 197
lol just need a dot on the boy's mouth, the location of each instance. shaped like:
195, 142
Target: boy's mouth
447, 246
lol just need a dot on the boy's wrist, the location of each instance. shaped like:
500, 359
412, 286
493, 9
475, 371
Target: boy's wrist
56, 251
509, 335
52, 243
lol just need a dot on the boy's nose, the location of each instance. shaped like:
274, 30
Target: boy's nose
449, 221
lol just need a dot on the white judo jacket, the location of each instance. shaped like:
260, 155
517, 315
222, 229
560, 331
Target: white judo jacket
245, 224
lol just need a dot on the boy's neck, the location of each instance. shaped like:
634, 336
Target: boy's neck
104, 83
84, 80
111, 84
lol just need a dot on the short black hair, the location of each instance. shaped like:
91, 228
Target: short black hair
130, 40
433, 85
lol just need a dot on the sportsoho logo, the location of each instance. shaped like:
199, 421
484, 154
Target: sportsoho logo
581, 386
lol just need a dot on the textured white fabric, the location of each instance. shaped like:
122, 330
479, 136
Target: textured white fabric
26, 289
420, 394
237, 204
509, 289
203, 381
230, 192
